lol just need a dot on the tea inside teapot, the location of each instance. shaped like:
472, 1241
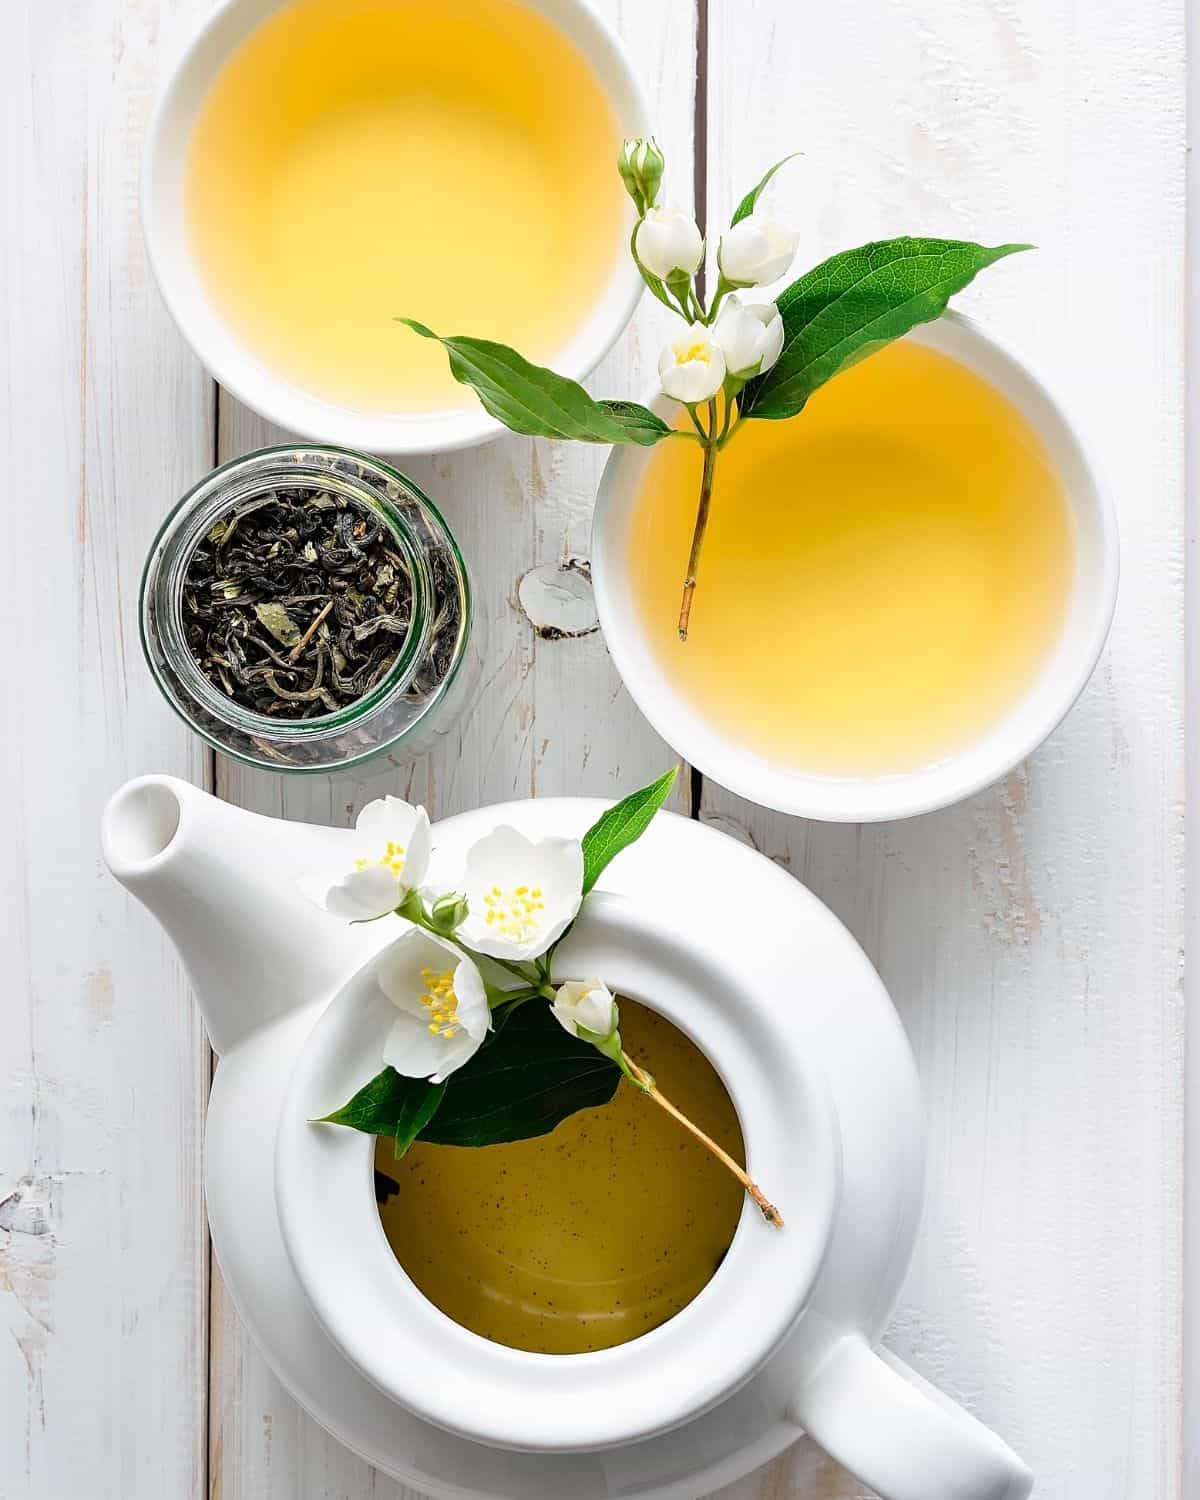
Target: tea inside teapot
583, 1238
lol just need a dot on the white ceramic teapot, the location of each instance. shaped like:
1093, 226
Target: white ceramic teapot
780, 1341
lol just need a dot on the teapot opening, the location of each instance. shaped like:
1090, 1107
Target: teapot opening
141, 822
585, 1238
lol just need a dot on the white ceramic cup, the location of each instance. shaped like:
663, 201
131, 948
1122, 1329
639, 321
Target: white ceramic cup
871, 798
217, 343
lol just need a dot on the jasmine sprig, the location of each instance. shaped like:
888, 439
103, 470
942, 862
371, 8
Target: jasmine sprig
460, 1063
735, 360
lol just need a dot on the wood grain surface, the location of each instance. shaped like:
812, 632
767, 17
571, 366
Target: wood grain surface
1032, 938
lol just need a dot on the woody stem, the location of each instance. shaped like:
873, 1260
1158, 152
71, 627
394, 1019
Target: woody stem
706, 488
647, 1084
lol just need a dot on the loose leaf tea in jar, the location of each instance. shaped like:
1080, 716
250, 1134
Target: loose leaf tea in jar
307, 608
297, 603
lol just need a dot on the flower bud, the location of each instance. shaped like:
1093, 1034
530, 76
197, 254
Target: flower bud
756, 250
668, 242
448, 912
586, 1006
692, 367
750, 335
641, 167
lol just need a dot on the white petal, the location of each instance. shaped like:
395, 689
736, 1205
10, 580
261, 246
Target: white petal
742, 250
505, 859
473, 1013
385, 818
667, 240
412, 1049
772, 342
756, 250
485, 940
693, 380
420, 844
391, 818
459, 1049
401, 965
739, 334
587, 1003
363, 895
565, 1017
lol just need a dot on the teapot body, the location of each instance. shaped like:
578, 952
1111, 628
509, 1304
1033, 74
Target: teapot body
837, 1072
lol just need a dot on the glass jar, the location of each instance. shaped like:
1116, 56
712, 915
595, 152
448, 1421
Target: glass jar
421, 694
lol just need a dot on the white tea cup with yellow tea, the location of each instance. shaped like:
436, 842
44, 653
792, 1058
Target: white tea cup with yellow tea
902, 591
898, 578
318, 168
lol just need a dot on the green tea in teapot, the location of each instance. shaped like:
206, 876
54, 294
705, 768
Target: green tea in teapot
583, 1238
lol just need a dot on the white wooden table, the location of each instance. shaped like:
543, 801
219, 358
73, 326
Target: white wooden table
1032, 938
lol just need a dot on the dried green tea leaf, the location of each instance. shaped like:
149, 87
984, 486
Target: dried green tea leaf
277, 620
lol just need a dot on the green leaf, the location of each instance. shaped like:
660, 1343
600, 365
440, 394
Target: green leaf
855, 303
418, 1108
391, 1105
276, 619
634, 417
530, 1078
539, 403
621, 825
526, 1078
748, 204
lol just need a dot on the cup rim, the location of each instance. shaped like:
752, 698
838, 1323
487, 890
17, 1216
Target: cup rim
517, 1399
1020, 730
268, 392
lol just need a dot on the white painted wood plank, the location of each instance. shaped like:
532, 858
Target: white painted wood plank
1031, 938
1191, 1244
104, 421
552, 719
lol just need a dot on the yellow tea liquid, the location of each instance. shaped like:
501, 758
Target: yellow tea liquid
586, 1237
357, 160
883, 575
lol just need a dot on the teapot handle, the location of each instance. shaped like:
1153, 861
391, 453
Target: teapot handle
900, 1435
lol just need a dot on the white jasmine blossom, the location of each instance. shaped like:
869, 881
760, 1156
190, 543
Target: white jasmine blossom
443, 1007
692, 367
586, 1004
755, 251
522, 896
668, 241
750, 335
390, 856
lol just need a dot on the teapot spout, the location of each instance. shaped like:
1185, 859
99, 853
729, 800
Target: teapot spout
222, 883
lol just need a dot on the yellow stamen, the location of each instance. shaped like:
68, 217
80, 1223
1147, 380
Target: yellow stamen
515, 913
391, 860
440, 1001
